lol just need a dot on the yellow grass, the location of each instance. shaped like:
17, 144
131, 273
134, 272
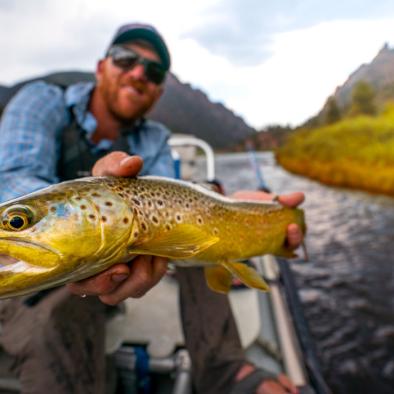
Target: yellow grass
355, 152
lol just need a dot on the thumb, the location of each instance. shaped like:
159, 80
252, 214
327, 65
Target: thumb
118, 164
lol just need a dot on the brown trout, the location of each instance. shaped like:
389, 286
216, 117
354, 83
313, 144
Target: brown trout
75, 229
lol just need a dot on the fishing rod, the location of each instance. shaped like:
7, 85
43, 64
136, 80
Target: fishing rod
256, 168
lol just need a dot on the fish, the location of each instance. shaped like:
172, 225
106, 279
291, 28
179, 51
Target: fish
75, 229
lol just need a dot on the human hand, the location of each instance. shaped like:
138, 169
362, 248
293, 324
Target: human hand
281, 385
294, 233
121, 281
118, 164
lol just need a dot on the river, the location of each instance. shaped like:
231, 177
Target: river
347, 287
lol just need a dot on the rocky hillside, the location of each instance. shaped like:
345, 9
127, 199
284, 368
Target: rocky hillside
182, 108
379, 74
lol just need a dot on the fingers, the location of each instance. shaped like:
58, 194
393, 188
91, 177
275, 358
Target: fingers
292, 199
294, 236
287, 383
118, 164
272, 387
122, 281
252, 195
281, 385
145, 272
289, 200
103, 283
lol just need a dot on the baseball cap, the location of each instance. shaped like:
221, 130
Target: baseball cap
140, 31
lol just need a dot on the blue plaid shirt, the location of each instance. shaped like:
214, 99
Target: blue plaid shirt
30, 136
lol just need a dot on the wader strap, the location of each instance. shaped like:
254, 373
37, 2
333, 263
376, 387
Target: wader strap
76, 156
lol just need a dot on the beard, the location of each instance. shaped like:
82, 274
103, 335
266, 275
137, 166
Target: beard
124, 108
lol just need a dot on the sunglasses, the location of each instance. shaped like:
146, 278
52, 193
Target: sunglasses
126, 59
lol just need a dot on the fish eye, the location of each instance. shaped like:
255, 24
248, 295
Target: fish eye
17, 218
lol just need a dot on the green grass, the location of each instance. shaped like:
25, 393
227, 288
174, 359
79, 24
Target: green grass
355, 152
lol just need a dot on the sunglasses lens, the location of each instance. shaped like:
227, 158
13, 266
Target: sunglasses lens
126, 59
155, 72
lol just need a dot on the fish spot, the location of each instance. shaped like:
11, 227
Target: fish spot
52, 209
199, 220
168, 226
92, 217
178, 217
121, 194
215, 231
144, 226
160, 203
78, 198
103, 219
135, 234
83, 206
155, 219
95, 194
125, 220
108, 203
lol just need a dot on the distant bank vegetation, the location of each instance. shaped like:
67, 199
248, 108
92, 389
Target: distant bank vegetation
354, 147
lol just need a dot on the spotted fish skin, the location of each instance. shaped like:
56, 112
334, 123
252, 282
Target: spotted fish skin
78, 228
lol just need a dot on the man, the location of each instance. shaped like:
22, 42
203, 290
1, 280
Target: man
51, 134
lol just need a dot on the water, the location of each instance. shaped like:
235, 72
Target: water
347, 288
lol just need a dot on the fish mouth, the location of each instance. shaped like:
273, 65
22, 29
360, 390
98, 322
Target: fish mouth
7, 259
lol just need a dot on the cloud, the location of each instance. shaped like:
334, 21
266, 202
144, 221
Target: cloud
242, 30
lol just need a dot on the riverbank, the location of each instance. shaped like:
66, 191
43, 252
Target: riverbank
355, 152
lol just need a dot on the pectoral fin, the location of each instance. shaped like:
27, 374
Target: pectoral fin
247, 275
218, 278
182, 242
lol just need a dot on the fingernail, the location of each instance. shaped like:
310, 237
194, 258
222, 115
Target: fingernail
126, 160
119, 277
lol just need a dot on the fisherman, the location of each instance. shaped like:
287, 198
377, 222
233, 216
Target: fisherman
51, 133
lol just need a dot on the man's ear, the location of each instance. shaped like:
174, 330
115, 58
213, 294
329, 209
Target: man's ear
99, 69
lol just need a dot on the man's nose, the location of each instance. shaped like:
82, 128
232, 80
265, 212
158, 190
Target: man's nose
138, 72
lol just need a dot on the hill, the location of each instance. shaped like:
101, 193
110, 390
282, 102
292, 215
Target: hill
351, 141
182, 109
379, 74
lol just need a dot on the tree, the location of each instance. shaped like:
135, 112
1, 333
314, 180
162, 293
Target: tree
363, 99
333, 113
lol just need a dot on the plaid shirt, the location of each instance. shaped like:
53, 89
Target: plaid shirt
31, 128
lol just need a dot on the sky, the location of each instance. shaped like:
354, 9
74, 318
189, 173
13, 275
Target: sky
271, 61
